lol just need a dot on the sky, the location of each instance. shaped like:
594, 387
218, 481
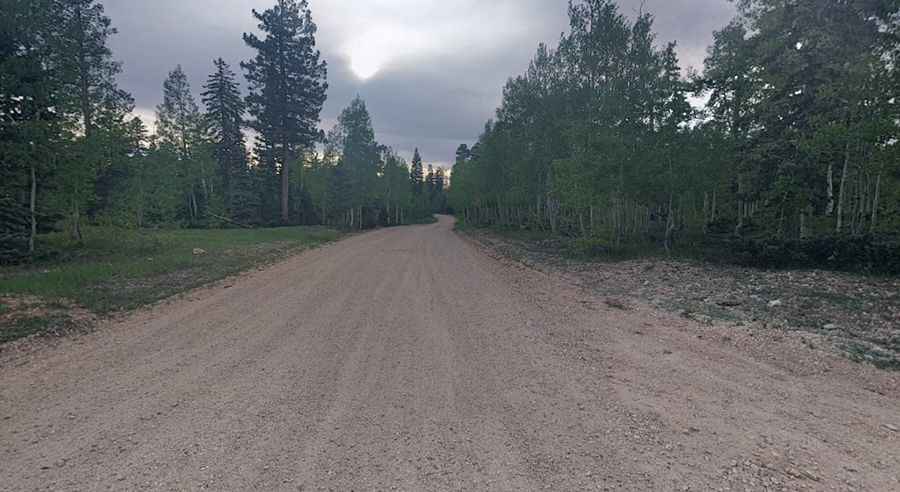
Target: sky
430, 71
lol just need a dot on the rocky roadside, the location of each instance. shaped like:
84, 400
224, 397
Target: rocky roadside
853, 315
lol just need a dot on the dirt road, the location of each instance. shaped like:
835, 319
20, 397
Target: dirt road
407, 359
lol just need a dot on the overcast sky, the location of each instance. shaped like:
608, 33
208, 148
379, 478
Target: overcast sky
431, 71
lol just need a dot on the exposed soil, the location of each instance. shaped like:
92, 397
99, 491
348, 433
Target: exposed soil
858, 316
410, 359
22, 315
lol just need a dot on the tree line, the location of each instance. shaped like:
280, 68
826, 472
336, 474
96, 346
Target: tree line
72, 151
796, 139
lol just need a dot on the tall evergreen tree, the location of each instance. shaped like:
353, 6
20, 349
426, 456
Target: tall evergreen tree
86, 63
87, 73
462, 153
287, 87
29, 127
224, 119
818, 70
416, 173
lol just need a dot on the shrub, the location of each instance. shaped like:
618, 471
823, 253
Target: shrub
866, 254
15, 229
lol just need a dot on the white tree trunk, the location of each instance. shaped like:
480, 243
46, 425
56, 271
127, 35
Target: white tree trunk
874, 220
32, 203
843, 190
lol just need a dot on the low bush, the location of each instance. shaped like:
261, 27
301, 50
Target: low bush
863, 254
15, 230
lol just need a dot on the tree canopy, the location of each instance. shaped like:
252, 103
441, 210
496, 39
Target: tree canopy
788, 133
797, 138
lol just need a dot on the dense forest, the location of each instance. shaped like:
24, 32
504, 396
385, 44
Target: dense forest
787, 155
72, 151
782, 149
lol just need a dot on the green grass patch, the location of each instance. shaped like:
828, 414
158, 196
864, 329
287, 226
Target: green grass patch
815, 297
118, 269
431, 219
29, 325
589, 249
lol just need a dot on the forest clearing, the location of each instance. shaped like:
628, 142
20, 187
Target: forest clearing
114, 271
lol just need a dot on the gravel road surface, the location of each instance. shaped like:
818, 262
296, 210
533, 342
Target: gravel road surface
408, 359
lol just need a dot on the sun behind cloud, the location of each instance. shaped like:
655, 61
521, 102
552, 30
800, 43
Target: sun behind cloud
364, 67
371, 50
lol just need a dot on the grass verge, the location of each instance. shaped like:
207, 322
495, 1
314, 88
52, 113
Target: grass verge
116, 269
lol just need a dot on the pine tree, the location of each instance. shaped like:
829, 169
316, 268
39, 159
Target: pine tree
28, 125
817, 68
287, 87
462, 153
87, 72
416, 176
85, 61
224, 120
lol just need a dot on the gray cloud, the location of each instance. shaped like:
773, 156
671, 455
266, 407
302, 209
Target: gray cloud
435, 67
